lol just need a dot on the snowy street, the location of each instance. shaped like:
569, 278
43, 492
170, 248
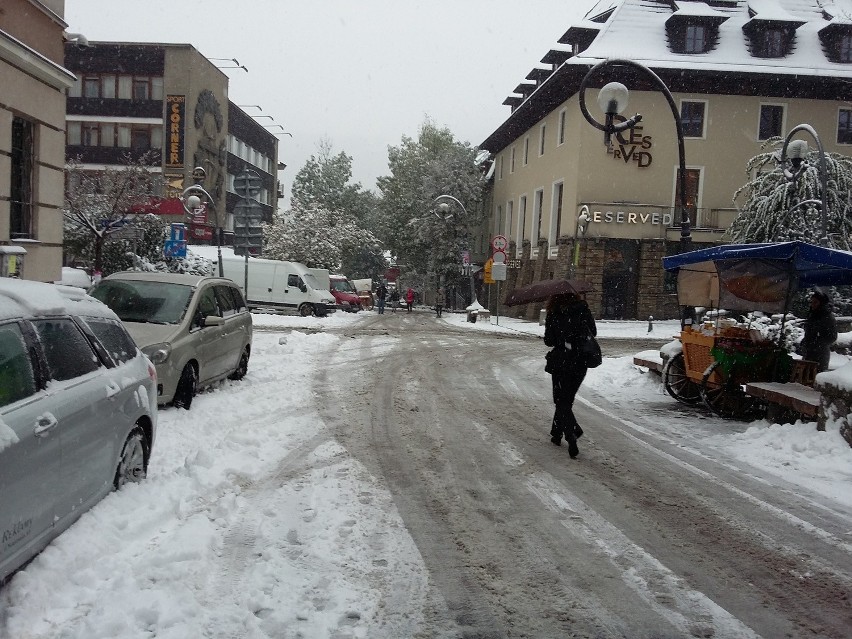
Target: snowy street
387, 476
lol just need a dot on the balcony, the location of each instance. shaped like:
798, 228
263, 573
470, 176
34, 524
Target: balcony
110, 155
115, 107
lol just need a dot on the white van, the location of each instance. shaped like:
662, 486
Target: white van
274, 284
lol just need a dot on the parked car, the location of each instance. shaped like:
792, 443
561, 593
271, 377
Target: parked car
344, 293
75, 277
196, 329
78, 412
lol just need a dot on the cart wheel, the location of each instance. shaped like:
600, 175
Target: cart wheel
726, 399
677, 383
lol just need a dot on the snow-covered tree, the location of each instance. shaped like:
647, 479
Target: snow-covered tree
767, 204
319, 238
427, 246
99, 203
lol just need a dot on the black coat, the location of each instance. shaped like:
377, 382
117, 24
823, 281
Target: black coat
820, 334
564, 327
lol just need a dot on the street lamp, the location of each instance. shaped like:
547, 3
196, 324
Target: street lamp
191, 198
796, 151
613, 100
444, 213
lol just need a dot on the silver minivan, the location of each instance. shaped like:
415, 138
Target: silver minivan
78, 412
196, 329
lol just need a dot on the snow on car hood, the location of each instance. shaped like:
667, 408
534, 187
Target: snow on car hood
147, 333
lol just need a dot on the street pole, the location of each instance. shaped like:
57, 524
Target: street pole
191, 201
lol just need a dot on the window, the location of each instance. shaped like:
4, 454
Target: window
500, 169
695, 39
522, 219
140, 138
560, 134
498, 221
118, 344
844, 126
91, 86
526, 150
91, 134
123, 87
107, 86
773, 43
557, 206
206, 306
226, 300
541, 139
17, 380
693, 182
537, 214
771, 121
692, 119
21, 179
844, 46
73, 132
512, 161
67, 350
510, 213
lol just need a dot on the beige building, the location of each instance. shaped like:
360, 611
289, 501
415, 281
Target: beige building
169, 101
33, 81
739, 73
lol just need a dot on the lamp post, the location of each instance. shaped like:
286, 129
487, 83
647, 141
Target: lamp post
613, 100
191, 198
796, 151
444, 213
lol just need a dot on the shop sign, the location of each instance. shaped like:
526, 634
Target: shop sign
633, 148
176, 111
654, 218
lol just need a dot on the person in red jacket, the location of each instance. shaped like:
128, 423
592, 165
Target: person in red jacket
409, 298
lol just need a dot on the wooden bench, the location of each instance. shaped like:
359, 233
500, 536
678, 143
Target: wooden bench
784, 398
650, 360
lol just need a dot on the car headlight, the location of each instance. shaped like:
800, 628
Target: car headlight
330, 301
158, 353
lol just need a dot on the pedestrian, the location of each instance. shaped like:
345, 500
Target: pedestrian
567, 323
394, 298
381, 294
440, 300
820, 331
409, 298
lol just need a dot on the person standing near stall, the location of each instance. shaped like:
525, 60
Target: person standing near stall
568, 321
820, 331
409, 298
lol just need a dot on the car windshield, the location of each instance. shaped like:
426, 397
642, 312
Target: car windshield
311, 281
343, 286
142, 301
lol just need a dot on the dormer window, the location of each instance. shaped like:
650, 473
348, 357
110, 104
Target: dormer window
691, 31
696, 39
773, 43
845, 48
836, 41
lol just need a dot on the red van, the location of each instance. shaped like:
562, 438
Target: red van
344, 293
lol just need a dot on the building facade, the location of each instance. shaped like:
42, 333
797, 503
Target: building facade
169, 101
739, 74
32, 138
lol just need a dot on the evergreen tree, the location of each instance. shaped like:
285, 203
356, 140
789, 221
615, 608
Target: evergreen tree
428, 246
769, 211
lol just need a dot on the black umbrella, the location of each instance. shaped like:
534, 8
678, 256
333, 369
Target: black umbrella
542, 291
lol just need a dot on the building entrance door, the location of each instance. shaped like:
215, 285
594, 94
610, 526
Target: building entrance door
620, 280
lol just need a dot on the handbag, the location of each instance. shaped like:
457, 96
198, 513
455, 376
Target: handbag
590, 352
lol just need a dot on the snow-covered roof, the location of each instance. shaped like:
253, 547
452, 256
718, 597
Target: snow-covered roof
617, 39
698, 9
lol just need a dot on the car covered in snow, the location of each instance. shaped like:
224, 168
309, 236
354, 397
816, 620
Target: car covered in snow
344, 293
78, 412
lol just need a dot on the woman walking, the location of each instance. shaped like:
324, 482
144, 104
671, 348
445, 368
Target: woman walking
568, 322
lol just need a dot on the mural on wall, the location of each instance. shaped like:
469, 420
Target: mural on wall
211, 153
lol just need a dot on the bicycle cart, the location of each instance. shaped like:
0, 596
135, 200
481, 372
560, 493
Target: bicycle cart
718, 359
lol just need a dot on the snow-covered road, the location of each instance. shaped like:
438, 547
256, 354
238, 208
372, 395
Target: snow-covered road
391, 477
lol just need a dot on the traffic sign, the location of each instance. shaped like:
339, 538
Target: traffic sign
499, 243
248, 184
174, 248
499, 257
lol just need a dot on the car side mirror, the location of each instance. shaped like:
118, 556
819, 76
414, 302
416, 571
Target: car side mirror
213, 320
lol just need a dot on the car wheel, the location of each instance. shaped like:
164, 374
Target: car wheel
242, 368
306, 310
186, 387
131, 464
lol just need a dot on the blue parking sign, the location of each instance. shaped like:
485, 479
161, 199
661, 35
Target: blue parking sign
173, 248
177, 232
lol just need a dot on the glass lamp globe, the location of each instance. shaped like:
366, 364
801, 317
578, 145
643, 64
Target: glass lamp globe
613, 98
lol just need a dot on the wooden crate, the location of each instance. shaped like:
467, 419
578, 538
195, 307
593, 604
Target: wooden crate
696, 352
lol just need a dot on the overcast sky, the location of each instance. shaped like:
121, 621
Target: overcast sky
359, 73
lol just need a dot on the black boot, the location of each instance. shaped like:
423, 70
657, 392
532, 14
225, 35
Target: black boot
578, 432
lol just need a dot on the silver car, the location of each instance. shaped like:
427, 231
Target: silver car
196, 329
78, 412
